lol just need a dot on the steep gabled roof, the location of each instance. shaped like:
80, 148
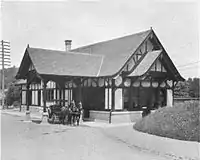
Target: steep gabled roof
150, 58
116, 52
97, 60
146, 63
62, 63
51, 62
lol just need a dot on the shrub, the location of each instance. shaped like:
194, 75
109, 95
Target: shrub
12, 95
179, 122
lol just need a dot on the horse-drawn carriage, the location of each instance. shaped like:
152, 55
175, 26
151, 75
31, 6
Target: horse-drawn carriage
64, 114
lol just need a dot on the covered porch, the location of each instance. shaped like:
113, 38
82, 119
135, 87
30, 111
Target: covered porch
108, 99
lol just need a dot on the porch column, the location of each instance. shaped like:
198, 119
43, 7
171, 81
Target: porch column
45, 113
173, 86
27, 117
113, 95
138, 97
112, 100
78, 93
130, 96
80, 100
60, 95
20, 107
27, 96
169, 97
64, 96
44, 96
78, 90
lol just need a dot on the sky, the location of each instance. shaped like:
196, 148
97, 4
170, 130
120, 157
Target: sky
48, 24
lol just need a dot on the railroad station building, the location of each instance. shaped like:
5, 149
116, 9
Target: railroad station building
113, 79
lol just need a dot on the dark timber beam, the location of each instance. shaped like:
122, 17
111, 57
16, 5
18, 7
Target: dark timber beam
63, 96
45, 114
44, 96
113, 95
130, 96
27, 96
113, 100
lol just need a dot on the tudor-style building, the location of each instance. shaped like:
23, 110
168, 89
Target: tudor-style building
113, 79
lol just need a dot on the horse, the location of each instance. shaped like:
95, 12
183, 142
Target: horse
76, 113
64, 112
69, 117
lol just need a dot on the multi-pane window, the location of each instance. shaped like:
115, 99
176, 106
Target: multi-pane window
50, 94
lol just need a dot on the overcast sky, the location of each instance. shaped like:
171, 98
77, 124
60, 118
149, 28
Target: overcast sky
48, 24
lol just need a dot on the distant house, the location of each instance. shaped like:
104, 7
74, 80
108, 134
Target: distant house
118, 76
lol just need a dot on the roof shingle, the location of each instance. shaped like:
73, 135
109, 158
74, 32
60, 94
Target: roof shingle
64, 63
116, 52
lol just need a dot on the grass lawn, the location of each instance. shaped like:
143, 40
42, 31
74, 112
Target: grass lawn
179, 122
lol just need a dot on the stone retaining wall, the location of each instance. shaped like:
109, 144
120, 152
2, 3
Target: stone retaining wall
116, 117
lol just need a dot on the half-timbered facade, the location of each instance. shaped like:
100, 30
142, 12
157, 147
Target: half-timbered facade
112, 78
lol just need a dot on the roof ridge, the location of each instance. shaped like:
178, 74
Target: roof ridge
88, 54
105, 41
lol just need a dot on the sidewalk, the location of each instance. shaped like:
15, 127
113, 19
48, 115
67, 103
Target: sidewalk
167, 147
38, 116
104, 125
16, 112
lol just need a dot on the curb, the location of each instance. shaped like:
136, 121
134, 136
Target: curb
165, 147
21, 114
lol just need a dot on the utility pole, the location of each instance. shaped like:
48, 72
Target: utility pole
5, 61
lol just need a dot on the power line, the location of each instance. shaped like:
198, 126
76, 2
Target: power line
189, 67
188, 64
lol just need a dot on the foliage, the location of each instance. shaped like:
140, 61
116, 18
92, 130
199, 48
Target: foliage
182, 89
188, 88
13, 95
178, 122
10, 74
194, 87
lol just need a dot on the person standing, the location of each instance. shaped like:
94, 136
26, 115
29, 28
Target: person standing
80, 107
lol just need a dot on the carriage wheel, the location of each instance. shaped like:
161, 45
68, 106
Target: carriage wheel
51, 119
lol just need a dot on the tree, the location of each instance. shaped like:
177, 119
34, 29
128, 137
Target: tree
194, 87
182, 89
10, 74
13, 94
188, 88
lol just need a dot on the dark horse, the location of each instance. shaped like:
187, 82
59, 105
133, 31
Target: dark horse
70, 113
58, 112
64, 114
76, 113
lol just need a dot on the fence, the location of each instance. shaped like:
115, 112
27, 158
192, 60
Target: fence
179, 100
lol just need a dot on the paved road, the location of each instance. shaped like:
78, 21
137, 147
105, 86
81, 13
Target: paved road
29, 141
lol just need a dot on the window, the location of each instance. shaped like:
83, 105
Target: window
49, 94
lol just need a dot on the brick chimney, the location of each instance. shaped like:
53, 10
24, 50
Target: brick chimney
68, 44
